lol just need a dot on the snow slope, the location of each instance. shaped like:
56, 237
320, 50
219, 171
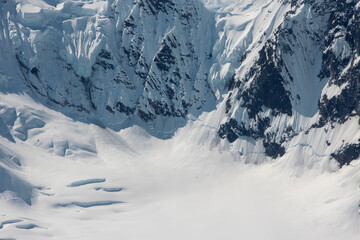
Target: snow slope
91, 183
264, 65
146, 119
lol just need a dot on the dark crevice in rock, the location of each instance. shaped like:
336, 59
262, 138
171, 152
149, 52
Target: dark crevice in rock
153, 7
232, 130
164, 59
268, 87
147, 117
346, 154
273, 149
109, 109
88, 86
120, 107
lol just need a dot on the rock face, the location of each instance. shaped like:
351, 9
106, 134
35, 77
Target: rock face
284, 75
341, 63
125, 61
304, 77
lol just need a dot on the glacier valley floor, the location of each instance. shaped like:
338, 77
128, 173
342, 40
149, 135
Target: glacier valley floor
94, 183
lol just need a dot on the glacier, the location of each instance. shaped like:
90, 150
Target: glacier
184, 187
143, 119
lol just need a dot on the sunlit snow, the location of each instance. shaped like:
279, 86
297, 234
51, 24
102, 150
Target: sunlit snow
99, 184
67, 178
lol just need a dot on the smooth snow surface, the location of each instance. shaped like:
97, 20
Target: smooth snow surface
94, 183
218, 4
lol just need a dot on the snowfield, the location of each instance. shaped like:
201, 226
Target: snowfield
168, 120
93, 183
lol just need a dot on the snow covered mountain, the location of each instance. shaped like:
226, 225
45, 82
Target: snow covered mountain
292, 88
119, 62
273, 69
255, 81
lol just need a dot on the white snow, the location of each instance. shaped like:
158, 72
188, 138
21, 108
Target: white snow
87, 182
341, 48
168, 189
218, 4
78, 19
243, 26
333, 90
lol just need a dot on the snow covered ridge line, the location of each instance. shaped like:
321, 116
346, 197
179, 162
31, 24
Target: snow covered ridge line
266, 71
287, 83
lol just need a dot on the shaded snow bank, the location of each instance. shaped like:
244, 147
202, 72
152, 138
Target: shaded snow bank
13, 186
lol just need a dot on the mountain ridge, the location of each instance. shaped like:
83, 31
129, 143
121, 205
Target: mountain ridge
268, 73
231, 119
